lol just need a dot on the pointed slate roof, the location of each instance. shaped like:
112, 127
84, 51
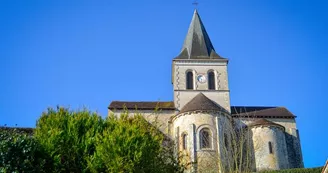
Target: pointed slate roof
201, 103
197, 44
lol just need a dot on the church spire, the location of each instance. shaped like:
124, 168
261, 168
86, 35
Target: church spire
197, 44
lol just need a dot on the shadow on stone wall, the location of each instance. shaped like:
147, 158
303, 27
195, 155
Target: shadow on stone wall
294, 151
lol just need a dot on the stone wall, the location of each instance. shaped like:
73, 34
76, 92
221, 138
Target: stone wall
182, 96
325, 167
292, 138
192, 124
159, 118
294, 149
264, 158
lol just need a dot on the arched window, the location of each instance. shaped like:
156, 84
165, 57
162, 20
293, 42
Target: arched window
190, 80
205, 138
270, 148
211, 80
184, 141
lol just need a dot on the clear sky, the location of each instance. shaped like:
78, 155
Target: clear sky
88, 53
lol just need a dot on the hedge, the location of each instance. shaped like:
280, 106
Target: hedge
297, 170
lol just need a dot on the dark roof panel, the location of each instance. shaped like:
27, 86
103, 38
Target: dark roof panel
201, 103
142, 105
260, 112
263, 122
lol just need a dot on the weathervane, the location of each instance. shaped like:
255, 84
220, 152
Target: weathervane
195, 3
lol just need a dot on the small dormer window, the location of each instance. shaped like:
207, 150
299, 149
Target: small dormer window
190, 80
211, 80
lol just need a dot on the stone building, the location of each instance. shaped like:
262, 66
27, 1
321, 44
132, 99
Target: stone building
203, 125
325, 167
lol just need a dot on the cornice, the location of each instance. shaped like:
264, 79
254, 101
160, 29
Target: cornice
189, 90
205, 62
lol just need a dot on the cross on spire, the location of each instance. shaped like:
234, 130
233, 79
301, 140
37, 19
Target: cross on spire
195, 3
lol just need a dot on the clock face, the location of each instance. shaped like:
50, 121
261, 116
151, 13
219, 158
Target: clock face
201, 78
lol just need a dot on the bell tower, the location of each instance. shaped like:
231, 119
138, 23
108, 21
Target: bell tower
199, 69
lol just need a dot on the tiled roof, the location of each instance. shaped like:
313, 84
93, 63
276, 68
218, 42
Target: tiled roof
260, 112
25, 130
263, 122
236, 111
201, 103
142, 105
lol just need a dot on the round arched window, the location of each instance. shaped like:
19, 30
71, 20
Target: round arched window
211, 80
205, 138
190, 80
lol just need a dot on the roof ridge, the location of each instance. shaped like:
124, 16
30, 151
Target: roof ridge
140, 101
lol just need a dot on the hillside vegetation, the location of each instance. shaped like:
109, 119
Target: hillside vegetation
297, 170
82, 141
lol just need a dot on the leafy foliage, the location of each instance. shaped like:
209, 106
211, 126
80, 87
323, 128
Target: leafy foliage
297, 170
81, 141
22, 153
69, 137
131, 144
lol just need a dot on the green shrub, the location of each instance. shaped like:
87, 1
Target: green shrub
81, 141
297, 170
69, 137
131, 144
22, 153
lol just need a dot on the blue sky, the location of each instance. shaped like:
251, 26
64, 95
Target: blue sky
88, 53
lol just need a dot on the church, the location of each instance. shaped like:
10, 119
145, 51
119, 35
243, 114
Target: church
205, 130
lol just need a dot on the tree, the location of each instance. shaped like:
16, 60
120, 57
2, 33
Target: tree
20, 152
69, 137
131, 144
81, 141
